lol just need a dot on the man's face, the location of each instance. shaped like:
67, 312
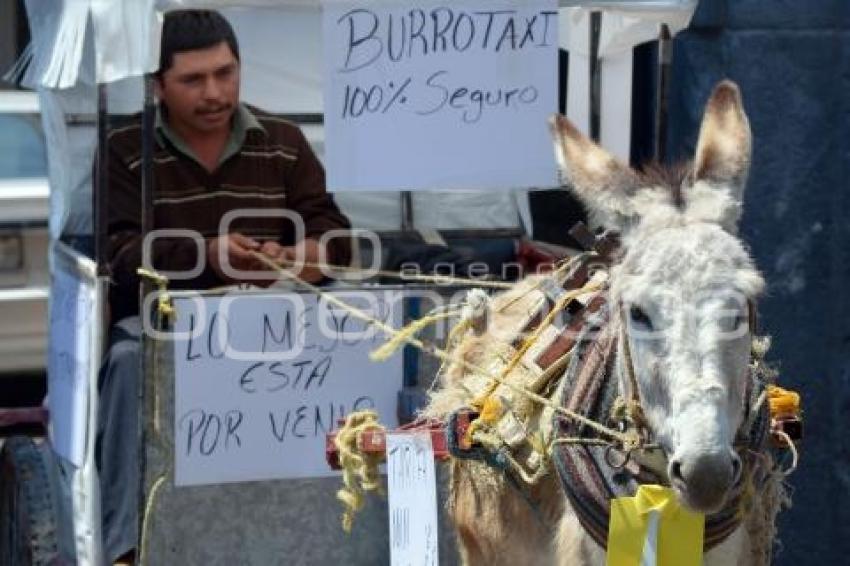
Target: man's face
201, 89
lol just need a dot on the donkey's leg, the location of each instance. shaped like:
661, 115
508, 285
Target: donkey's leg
471, 487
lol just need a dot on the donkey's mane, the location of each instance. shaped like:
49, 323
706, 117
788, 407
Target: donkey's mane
671, 177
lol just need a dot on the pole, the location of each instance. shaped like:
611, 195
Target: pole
665, 56
100, 192
406, 211
147, 365
595, 77
148, 185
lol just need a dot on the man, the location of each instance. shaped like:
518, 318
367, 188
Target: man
212, 156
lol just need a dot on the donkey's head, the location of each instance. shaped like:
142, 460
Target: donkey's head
682, 291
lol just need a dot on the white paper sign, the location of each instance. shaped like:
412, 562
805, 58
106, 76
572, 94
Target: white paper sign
431, 94
413, 500
264, 378
72, 308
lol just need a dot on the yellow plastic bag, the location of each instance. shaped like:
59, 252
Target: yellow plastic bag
653, 529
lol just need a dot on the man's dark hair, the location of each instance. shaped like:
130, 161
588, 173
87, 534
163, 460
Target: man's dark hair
187, 30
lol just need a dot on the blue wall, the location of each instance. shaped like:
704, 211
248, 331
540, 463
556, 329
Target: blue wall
791, 59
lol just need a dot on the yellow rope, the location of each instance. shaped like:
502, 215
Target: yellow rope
359, 470
166, 311
490, 406
794, 455
148, 507
564, 266
458, 330
401, 336
439, 279
630, 411
445, 356
563, 301
577, 440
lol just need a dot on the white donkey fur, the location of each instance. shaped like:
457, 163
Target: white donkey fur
682, 284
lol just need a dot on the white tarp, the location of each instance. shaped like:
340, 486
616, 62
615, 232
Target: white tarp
60, 58
59, 27
287, 84
55, 53
61, 55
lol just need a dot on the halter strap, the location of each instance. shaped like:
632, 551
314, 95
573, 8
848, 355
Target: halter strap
633, 394
588, 480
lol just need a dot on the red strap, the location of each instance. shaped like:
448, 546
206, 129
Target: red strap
374, 441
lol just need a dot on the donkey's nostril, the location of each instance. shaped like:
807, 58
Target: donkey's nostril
675, 471
704, 480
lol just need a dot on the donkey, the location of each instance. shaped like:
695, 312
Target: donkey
680, 298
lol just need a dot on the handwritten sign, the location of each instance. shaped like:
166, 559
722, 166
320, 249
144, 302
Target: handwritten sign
261, 379
436, 95
413, 500
69, 363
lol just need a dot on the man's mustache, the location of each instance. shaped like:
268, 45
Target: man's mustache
213, 109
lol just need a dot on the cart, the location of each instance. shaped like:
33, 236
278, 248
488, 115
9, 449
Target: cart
50, 496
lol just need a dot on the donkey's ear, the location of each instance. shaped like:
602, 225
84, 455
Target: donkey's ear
723, 151
600, 181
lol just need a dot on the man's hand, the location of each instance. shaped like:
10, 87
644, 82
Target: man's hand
233, 251
307, 251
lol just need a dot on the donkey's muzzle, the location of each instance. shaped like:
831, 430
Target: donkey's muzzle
703, 481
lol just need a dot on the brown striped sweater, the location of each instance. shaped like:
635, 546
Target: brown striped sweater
269, 166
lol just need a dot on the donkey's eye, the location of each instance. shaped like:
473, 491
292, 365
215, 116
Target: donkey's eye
741, 319
639, 317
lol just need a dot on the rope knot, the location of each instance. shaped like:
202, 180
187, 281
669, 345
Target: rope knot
164, 305
359, 470
631, 421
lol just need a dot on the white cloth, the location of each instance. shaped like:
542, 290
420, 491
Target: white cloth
123, 42
134, 24
59, 29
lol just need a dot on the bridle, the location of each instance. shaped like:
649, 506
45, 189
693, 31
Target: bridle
632, 412
589, 473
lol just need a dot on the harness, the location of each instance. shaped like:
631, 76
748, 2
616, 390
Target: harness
593, 470
597, 438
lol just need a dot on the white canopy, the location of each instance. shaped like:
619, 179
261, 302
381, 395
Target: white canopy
79, 43
126, 32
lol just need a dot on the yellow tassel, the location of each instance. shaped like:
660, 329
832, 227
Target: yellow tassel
459, 330
492, 410
783, 402
359, 471
402, 336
